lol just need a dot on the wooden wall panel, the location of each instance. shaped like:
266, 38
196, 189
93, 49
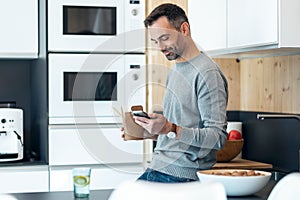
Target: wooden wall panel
153, 3
296, 84
282, 83
158, 70
271, 84
231, 69
268, 86
251, 81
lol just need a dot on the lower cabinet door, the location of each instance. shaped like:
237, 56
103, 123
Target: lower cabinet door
103, 177
24, 179
91, 145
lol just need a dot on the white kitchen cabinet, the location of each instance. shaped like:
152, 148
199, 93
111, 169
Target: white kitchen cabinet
102, 177
208, 23
252, 23
24, 179
249, 25
91, 144
19, 29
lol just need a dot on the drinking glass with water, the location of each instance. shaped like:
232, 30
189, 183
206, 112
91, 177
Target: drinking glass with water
81, 181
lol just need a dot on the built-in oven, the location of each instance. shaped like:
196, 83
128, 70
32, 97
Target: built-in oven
94, 88
96, 26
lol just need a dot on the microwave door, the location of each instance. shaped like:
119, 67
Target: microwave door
85, 26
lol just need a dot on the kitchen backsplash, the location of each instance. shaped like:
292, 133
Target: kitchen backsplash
272, 140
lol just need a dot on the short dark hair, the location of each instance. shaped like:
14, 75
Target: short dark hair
174, 14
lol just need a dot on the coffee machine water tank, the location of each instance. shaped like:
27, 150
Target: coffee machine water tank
11, 134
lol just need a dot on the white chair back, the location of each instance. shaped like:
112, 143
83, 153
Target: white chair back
143, 190
287, 188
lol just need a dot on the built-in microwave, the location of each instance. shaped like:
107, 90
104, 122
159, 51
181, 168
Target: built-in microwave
96, 26
94, 88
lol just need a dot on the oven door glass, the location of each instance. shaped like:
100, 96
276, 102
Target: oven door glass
85, 88
85, 20
90, 86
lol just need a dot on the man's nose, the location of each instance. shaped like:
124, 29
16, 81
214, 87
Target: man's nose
161, 46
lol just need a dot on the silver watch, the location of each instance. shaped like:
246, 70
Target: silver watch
171, 135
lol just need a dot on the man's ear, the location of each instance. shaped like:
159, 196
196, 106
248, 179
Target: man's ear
185, 28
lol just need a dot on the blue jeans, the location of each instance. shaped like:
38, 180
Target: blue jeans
155, 176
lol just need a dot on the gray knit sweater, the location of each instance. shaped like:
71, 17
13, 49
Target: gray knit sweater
195, 99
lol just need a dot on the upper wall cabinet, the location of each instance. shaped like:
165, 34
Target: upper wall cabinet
19, 29
252, 22
249, 24
208, 23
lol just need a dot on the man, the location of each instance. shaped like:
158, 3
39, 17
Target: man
193, 125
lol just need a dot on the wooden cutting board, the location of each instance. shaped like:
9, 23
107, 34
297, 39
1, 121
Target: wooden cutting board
239, 163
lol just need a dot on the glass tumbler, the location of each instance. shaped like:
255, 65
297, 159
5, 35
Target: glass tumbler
81, 182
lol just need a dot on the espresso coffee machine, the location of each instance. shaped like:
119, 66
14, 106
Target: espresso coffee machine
11, 132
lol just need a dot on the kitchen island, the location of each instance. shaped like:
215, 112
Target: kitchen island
104, 194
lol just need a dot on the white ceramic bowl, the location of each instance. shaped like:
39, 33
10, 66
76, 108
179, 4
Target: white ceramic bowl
236, 185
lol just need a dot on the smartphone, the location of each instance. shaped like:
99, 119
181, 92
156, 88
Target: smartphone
140, 113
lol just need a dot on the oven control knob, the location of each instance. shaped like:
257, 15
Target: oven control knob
3, 121
135, 77
134, 12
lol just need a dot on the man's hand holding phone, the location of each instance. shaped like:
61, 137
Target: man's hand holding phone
154, 124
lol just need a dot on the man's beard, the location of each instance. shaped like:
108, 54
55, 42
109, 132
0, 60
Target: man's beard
171, 55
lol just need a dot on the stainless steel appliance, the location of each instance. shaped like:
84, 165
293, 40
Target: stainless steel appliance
11, 133
88, 88
87, 25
